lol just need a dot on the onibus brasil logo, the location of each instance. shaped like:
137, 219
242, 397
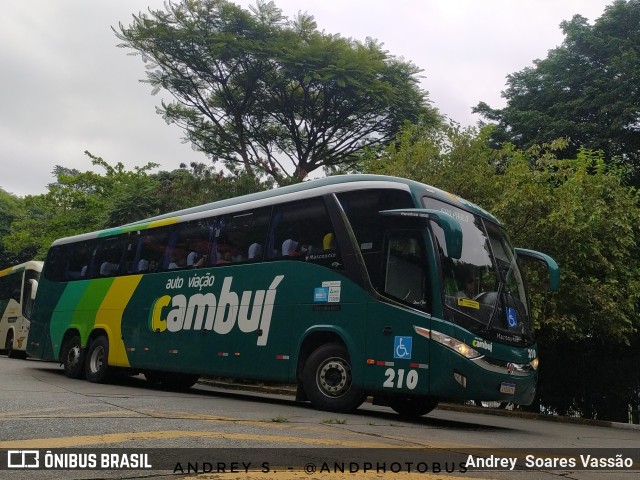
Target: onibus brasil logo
250, 310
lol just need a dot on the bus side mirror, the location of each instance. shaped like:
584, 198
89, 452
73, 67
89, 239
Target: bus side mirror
34, 288
450, 226
552, 266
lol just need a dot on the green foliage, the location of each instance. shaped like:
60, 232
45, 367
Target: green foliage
199, 184
577, 210
10, 209
77, 202
80, 202
586, 89
256, 90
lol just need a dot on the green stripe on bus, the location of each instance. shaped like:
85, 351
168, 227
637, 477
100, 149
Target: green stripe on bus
77, 308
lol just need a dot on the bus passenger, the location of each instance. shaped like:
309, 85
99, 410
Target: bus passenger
196, 258
177, 260
290, 248
108, 269
468, 288
328, 242
223, 251
255, 251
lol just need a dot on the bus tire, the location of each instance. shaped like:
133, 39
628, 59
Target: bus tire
96, 364
327, 380
8, 345
72, 357
412, 407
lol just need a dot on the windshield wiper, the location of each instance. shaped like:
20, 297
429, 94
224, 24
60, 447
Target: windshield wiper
496, 306
502, 285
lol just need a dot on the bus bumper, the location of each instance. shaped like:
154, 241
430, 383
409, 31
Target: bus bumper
486, 379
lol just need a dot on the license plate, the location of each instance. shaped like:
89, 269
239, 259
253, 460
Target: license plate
508, 388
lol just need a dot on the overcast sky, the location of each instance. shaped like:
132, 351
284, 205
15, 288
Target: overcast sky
65, 87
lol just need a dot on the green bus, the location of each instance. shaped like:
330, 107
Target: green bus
346, 286
18, 285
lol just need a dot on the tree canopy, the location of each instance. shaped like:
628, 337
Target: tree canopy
274, 96
10, 209
577, 210
587, 89
79, 202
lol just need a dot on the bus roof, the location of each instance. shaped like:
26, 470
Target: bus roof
288, 193
30, 265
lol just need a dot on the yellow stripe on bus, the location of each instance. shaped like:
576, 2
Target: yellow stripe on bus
109, 316
163, 222
6, 271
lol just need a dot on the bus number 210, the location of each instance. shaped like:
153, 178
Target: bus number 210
398, 380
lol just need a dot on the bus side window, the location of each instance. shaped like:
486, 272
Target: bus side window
108, 256
362, 208
405, 273
79, 260
194, 242
303, 230
242, 237
10, 289
150, 248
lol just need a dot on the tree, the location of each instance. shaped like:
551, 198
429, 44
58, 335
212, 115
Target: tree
79, 202
587, 89
256, 90
10, 209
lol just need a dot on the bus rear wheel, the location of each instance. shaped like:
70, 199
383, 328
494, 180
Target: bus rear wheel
327, 380
96, 364
72, 357
8, 345
411, 407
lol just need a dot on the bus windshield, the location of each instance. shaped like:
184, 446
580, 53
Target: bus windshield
484, 290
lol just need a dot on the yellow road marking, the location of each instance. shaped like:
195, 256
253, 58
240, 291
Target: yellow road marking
85, 440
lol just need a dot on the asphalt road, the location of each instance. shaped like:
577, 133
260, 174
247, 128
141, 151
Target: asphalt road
221, 431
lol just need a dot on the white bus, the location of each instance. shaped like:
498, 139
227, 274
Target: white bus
18, 287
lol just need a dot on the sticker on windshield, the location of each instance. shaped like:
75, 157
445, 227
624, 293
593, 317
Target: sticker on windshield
512, 317
467, 302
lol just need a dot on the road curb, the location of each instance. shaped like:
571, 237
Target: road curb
291, 390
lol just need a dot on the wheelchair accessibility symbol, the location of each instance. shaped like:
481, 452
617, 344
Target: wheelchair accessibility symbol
402, 347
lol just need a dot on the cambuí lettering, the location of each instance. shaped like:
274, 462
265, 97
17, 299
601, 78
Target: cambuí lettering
250, 310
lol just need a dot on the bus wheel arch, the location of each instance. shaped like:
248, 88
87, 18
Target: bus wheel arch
327, 379
72, 355
96, 363
311, 343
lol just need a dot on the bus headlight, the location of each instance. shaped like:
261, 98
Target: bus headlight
460, 347
534, 363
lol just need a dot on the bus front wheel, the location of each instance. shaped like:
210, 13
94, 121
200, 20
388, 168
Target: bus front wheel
327, 380
96, 365
73, 357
